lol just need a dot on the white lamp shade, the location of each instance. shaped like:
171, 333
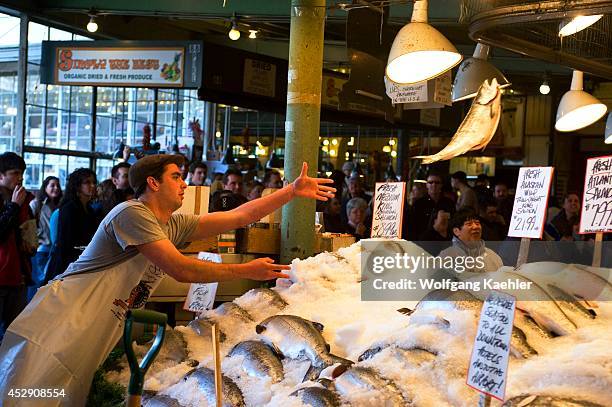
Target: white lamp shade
419, 53
608, 135
577, 109
473, 72
576, 24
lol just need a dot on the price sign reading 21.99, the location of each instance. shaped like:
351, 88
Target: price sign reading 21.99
530, 202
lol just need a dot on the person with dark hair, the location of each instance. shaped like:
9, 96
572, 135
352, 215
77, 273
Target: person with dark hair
467, 196
273, 179
254, 190
467, 243
355, 190
232, 180
494, 227
198, 171
119, 175
561, 225
47, 200
124, 263
77, 221
15, 246
423, 214
332, 220
505, 202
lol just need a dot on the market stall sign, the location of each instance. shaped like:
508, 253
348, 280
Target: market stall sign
488, 368
530, 202
201, 297
388, 209
259, 78
104, 63
597, 197
435, 93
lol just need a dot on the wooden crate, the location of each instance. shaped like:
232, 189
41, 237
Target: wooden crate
259, 240
205, 245
331, 242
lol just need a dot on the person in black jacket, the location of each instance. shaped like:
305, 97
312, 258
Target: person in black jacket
77, 222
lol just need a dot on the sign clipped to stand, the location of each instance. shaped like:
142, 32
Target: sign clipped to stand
530, 201
488, 368
596, 213
201, 297
388, 209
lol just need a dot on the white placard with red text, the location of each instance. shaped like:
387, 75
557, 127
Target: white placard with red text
596, 213
530, 202
388, 209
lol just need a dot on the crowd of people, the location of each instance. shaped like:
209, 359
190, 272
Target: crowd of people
42, 234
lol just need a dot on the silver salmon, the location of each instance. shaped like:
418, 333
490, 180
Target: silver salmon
478, 127
259, 360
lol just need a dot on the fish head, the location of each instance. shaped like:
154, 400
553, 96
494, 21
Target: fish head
487, 92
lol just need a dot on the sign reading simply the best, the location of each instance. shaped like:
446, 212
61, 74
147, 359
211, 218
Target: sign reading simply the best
530, 201
117, 63
597, 199
388, 209
489, 362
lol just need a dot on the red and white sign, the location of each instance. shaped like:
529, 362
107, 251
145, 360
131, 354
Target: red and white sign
596, 213
388, 209
158, 67
530, 202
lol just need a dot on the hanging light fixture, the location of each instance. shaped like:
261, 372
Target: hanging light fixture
253, 34
92, 26
578, 109
234, 34
578, 23
545, 88
419, 51
608, 134
473, 72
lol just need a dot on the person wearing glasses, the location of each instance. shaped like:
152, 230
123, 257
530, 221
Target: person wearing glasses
467, 242
424, 212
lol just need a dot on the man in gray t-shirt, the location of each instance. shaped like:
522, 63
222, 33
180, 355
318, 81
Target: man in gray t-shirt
72, 323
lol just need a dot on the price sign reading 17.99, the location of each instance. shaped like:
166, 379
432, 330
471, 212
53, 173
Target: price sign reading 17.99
530, 201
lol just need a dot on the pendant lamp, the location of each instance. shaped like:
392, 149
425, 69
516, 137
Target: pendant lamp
578, 109
419, 51
473, 72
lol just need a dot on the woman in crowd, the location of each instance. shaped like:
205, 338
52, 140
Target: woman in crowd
332, 221
47, 200
254, 190
77, 221
356, 211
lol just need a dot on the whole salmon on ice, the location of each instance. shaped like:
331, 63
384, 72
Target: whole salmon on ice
478, 127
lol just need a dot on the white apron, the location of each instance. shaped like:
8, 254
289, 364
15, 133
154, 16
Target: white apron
68, 330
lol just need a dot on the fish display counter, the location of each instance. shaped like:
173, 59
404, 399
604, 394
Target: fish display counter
312, 341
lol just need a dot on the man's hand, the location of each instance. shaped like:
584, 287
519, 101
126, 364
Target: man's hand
19, 195
307, 187
263, 269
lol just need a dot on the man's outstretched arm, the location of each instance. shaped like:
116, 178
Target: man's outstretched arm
185, 269
304, 186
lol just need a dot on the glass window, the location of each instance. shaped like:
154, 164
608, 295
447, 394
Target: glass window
103, 169
9, 44
77, 162
56, 165
34, 173
37, 33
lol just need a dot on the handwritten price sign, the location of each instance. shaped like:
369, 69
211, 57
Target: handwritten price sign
388, 209
596, 213
489, 363
530, 201
201, 297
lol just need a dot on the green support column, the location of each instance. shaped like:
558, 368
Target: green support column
302, 121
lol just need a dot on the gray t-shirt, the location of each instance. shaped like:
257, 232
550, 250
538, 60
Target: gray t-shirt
127, 225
